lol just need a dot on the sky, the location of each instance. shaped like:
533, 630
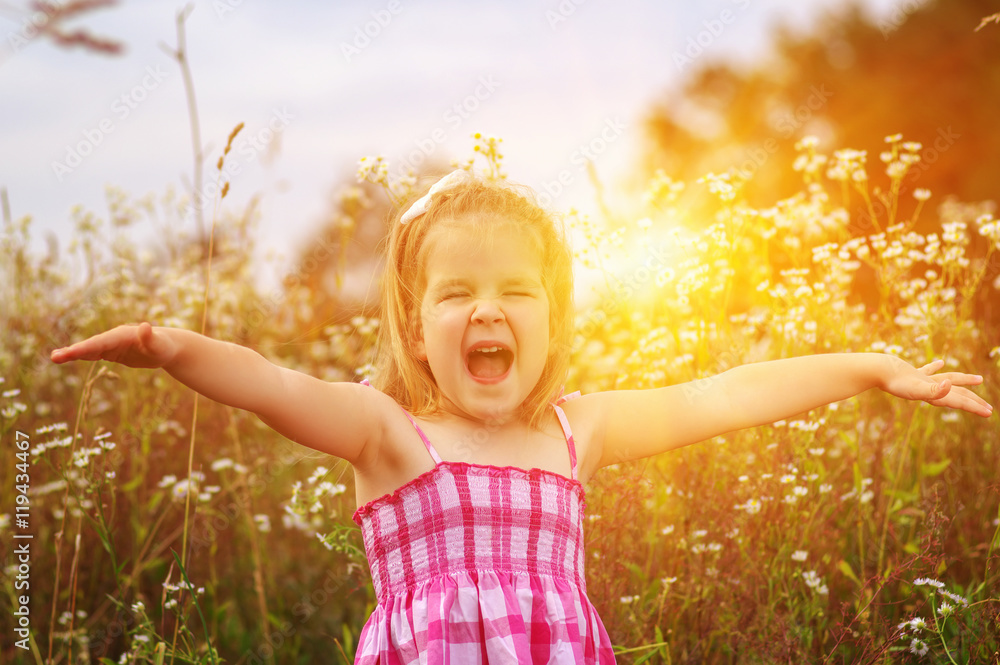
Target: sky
319, 85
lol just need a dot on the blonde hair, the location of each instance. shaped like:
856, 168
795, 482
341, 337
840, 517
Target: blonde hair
478, 207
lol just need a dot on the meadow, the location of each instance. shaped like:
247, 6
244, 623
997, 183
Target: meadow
169, 529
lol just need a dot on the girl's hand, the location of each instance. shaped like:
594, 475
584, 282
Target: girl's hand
133, 346
942, 389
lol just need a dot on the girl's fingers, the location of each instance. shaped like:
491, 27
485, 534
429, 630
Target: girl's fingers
974, 398
939, 389
933, 365
961, 398
145, 337
960, 378
92, 348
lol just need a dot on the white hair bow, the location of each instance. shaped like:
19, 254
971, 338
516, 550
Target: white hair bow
419, 206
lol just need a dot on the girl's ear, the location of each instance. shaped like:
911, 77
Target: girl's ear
417, 339
419, 349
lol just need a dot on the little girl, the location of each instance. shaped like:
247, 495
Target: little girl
469, 465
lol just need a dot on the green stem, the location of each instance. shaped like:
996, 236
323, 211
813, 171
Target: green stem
619, 651
197, 606
940, 632
895, 485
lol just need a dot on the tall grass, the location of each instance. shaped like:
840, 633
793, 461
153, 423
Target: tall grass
862, 532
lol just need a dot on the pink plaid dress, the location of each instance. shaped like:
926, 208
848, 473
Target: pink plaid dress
480, 564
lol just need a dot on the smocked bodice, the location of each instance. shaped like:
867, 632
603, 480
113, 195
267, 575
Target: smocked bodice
462, 517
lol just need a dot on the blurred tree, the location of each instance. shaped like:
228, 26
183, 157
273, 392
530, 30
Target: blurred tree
922, 70
341, 265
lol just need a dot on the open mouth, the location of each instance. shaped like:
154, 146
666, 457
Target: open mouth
489, 362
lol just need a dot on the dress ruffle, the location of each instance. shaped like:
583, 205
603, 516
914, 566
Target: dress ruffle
488, 617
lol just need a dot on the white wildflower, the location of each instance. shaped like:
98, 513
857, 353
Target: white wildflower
955, 597
921, 581
800, 555
181, 489
317, 474
222, 463
263, 523
322, 539
812, 579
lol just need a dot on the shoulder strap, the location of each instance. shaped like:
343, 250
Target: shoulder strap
423, 437
570, 444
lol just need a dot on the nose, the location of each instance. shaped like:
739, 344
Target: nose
487, 311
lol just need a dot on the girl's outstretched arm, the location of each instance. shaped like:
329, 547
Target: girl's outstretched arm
640, 423
336, 418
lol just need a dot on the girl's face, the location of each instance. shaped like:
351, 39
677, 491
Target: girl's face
484, 321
